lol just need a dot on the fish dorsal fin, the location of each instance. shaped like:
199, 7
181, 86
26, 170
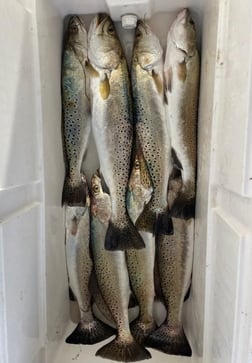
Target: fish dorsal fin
91, 70
182, 71
158, 81
104, 87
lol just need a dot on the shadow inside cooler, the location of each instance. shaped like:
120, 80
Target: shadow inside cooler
43, 303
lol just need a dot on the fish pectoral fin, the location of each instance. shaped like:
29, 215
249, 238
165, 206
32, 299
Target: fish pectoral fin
91, 70
105, 188
182, 71
158, 81
168, 79
104, 87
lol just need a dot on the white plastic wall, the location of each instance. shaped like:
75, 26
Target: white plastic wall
34, 305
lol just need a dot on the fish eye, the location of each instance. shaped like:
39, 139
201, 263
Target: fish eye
95, 188
74, 28
111, 30
137, 164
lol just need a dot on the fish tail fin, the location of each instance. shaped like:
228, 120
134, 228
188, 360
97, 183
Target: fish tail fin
125, 351
183, 207
141, 330
75, 195
164, 340
147, 220
164, 223
90, 333
123, 238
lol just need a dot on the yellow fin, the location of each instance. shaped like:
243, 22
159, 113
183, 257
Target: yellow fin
104, 88
92, 72
181, 71
158, 81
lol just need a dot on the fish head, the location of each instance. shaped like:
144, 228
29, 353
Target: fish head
96, 187
183, 33
76, 34
140, 182
104, 50
147, 49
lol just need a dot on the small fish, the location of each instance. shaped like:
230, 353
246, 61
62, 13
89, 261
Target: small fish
113, 280
112, 126
151, 126
79, 265
181, 70
76, 124
141, 262
174, 261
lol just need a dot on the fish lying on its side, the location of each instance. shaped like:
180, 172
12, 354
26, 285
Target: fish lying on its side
79, 265
112, 276
76, 123
181, 70
141, 262
112, 126
151, 126
174, 262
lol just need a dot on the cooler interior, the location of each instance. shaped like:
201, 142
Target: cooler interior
35, 312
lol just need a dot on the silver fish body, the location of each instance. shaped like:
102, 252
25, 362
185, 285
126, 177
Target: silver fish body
151, 125
174, 260
76, 123
181, 70
112, 127
113, 280
79, 267
141, 262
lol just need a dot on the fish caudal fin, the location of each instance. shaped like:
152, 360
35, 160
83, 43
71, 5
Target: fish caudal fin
183, 208
90, 333
123, 238
164, 224
166, 340
74, 195
149, 221
123, 350
141, 330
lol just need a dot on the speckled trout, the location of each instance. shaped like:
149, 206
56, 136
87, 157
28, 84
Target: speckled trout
181, 70
151, 126
112, 126
141, 262
174, 264
76, 122
113, 280
79, 266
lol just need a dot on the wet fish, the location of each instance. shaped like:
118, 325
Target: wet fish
181, 70
151, 125
112, 126
76, 124
112, 276
79, 265
141, 262
174, 262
